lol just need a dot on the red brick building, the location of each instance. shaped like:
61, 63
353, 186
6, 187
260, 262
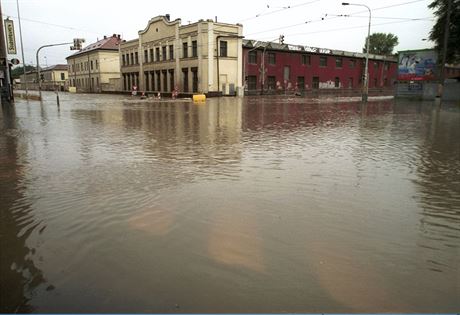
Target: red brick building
271, 67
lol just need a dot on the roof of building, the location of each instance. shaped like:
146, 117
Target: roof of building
107, 43
59, 67
248, 43
56, 67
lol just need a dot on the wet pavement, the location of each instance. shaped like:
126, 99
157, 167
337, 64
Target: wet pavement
110, 204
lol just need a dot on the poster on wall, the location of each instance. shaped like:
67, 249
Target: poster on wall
417, 65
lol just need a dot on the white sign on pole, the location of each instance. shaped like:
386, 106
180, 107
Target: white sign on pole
10, 37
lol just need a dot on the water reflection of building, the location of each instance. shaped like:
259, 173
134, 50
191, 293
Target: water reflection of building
219, 121
19, 275
268, 113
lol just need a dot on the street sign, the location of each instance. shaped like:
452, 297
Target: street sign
15, 61
10, 37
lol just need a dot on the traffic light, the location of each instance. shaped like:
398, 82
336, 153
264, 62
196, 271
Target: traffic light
77, 43
281, 39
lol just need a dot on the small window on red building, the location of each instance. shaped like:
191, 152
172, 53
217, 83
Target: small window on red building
337, 82
306, 60
252, 82
252, 57
271, 83
271, 58
338, 62
323, 61
352, 63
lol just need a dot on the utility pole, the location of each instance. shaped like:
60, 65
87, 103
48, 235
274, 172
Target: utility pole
444, 50
5, 82
366, 67
22, 51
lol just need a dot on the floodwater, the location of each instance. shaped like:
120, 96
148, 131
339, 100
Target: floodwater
236, 205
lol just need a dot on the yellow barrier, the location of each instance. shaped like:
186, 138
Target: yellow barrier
199, 98
72, 89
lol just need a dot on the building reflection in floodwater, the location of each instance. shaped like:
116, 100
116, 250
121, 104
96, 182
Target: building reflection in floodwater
20, 277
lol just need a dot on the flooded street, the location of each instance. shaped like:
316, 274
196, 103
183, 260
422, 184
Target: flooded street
236, 205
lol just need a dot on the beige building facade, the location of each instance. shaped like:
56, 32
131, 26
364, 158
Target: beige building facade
202, 57
52, 78
96, 68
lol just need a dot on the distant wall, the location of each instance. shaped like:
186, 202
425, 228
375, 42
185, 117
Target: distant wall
428, 91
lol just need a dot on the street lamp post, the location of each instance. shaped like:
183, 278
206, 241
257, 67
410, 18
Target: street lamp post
76, 46
366, 74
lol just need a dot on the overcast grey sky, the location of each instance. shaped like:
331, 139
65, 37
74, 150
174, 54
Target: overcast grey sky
56, 21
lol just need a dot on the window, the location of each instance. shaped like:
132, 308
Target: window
194, 79
185, 50
375, 82
337, 82
338, 62
152, 81
350, 83
147, 81
287, 73
271, 83
352, 63
137, 58
171, 52
185, 79
194, 48
151, 54
157, 52
252, 57
301, 83
158, 79
131, 62
385, 82
146, 56
165, 80
171, 80
62, 76
387, 66
97, 66
97, 82
323, 61
315, 83
306, 60
91, 65
73, 68
252, 82
376, 65
271, 58
163, 51
223, 48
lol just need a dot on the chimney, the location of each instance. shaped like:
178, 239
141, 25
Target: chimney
114, 35
167, 16
119, 36
215, 18
105, 37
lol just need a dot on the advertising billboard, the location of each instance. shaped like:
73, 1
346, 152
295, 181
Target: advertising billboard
417, 65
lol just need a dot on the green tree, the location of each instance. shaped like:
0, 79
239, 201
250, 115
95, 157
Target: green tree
437, 33
18, 71
381, 43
